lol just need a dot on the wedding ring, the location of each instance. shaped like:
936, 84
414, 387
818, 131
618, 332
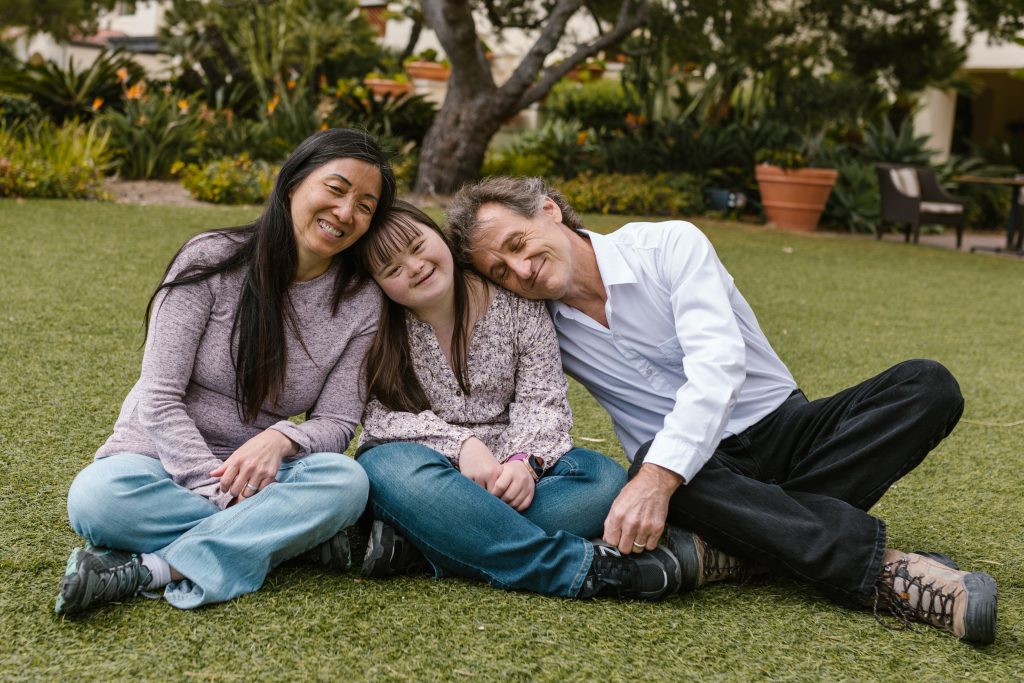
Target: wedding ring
639, 545
251, 487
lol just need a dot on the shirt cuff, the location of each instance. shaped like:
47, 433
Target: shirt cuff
213, 494
677, 456
299, 437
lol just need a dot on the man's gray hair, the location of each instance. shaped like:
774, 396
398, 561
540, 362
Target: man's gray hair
523, 196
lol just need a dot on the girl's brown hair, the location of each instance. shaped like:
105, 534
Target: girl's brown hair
390, 373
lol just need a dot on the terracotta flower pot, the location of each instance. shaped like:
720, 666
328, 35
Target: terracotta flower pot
794, 198
430, 71
387, 86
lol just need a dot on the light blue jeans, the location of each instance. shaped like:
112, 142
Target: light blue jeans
464, 530
128, 501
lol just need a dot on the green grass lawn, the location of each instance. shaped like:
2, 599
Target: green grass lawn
74, 280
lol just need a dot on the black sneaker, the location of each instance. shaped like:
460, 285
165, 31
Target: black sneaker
388, 553
650, 575
334, 553
94, 576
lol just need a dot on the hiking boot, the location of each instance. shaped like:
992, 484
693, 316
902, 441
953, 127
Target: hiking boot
388, 553
917, 588
650, 575
701, 563
94, 576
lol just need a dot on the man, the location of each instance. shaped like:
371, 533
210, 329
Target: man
725, 444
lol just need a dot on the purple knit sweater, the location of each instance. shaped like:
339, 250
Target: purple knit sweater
183, 408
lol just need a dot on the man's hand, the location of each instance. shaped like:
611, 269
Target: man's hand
515, 484
254, 465
637, 517
478, 463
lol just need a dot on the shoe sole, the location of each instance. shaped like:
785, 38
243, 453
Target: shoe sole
375, 565
683, 546
980, 619
70, 570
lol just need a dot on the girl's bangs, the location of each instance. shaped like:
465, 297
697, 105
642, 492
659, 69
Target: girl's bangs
395, 234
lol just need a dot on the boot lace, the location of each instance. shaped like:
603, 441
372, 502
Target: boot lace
928, 604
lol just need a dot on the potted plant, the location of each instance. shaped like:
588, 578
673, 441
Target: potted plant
425, 65
381, 85
793, 193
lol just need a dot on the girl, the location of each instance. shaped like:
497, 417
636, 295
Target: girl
466, 434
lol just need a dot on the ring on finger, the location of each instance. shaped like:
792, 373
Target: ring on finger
249, 486
639, 545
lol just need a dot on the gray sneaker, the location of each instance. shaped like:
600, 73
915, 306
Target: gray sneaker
650, 575
334, 553
94, 576
389, 553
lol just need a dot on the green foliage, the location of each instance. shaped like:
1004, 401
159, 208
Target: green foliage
60, 18
599, 103
882, 142
662, 194
72, 92
783, 157
406, 117
51, 161
234, 180
558, 148
854, 203
267, 45
154, 130
18, 108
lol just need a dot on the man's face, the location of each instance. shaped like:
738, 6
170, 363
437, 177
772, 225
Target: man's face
529, 256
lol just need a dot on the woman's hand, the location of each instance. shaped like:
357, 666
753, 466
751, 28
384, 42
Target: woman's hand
254, 465
478, 463
515, 484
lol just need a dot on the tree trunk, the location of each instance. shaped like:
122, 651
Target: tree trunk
454, 147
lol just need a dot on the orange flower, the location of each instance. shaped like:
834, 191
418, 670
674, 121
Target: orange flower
183, 106
581, 138
122, 74
97, 103
323, 81
291, 84
324, 126
136, 91
272, 104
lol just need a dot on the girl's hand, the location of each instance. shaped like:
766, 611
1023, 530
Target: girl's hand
254, 465
478, 463
515, 484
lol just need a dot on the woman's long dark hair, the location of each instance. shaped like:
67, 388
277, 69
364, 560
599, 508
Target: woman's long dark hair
268, 255
391, 376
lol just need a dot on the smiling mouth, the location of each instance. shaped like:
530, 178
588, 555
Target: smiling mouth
425, 277
328, 228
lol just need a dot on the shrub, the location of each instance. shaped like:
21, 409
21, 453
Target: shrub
558, 148
43, 160
17, 108
155, 130
854, 202
72, 93
408, 117
663, 194
600, 103
234, 180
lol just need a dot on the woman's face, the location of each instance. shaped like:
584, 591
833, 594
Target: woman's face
331, 209
420, 276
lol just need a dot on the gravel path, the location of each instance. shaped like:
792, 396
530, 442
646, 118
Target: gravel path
150, 192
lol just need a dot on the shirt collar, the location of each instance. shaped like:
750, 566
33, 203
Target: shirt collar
612, 266
611, 263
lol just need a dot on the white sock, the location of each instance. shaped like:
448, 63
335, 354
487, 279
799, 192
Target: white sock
160, 571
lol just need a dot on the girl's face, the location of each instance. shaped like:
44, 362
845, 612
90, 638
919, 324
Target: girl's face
421, 275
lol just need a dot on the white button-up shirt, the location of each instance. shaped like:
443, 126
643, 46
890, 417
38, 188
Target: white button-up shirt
683, 360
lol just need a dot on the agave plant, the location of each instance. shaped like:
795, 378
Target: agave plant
72, 93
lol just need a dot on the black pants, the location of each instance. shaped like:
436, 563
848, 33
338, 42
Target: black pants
792, 491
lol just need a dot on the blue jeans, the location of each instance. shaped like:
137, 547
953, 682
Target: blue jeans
128, 501
464, 530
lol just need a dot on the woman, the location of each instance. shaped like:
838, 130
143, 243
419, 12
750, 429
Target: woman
466, 434
205, 484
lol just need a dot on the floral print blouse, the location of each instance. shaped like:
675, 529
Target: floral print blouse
518, 400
